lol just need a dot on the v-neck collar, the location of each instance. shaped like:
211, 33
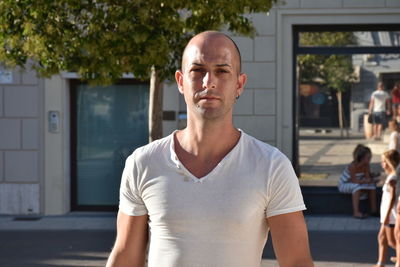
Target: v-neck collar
182, 169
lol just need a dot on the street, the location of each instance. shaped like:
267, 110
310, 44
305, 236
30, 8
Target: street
38, 248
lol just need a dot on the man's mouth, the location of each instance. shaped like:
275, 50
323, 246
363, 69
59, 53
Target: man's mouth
208, 98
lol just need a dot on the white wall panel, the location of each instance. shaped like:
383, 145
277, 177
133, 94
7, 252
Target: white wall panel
260, 75
10, 134
321, 3
21, 166
265, 102
19, 199
245, 45
244, 105
21, 101
30, 134
265, 48
363, 3
261, 127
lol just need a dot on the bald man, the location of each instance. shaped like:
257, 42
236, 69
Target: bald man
207, 195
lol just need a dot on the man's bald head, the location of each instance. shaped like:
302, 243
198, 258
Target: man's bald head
209, 36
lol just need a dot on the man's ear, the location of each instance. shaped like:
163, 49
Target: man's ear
242, 79
179, 80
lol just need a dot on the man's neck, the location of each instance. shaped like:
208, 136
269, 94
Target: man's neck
201, 147
204, 140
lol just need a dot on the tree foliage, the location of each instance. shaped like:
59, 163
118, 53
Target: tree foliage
332, 71
103, 39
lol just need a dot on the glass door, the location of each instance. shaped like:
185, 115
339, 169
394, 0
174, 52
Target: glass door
109, 122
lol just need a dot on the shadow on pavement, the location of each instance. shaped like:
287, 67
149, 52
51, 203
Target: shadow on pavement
91, 248
340, 246
55, 248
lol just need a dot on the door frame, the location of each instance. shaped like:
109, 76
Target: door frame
297, 50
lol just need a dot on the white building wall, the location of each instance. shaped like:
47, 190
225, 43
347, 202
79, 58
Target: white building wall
21, 172
57, 175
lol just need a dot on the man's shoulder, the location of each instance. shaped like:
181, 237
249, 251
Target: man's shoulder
380, 93
261, 148
157, 147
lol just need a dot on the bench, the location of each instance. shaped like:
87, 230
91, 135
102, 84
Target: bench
328, 200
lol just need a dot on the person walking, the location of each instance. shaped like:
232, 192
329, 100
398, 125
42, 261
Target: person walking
386, 238
395, 94
209, 194
379, 108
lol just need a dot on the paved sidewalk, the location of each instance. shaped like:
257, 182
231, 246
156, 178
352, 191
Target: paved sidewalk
329, 235
323, 156
106, 221
72, 221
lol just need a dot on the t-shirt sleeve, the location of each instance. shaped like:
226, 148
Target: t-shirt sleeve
130, 200
283, 189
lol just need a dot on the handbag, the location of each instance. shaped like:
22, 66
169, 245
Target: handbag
370, 120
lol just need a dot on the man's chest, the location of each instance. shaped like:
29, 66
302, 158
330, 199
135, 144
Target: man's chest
179, 205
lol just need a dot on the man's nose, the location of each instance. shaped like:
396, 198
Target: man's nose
209, 81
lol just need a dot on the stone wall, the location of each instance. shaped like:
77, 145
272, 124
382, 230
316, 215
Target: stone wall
20, 142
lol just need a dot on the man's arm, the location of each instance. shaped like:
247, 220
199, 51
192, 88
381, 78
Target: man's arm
371, 105
387, 106
290, 240
131, 243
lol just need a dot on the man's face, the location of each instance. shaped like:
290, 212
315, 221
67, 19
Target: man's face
210, 80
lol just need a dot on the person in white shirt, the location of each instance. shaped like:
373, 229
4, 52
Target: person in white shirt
207, 195
394, 138
379, 107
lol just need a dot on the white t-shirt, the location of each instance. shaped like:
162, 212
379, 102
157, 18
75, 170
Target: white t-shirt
385, 202
394, 141
217, 220
380, 98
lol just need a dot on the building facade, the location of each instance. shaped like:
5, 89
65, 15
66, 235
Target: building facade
44, 162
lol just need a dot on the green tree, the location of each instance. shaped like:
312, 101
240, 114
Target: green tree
103, 39
328, 71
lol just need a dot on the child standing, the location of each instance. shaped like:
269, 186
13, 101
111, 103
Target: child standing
389, 162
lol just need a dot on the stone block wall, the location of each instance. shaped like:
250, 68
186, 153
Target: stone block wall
20, 143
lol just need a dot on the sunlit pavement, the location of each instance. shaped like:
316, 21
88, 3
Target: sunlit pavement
323, 156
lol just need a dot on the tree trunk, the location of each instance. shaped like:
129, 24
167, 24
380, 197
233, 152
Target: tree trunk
340, 111
155, 106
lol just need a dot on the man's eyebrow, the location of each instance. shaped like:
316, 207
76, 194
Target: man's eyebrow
218, 65
224, 65
196, 64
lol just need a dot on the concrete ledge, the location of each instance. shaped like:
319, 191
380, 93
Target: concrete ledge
328, 200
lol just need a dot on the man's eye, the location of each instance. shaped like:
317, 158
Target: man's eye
197, 70
222, 71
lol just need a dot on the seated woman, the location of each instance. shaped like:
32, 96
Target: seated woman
356, 180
